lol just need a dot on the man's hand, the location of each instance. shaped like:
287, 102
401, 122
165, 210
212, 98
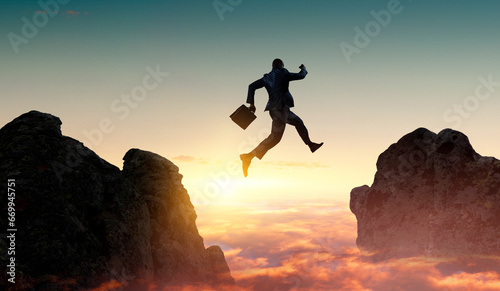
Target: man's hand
252, 108
302, 67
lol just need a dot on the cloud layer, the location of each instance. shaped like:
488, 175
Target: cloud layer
312, 247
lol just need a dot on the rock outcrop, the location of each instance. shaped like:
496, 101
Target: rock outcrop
81, 222
432, 195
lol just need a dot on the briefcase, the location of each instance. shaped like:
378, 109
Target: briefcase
243, 116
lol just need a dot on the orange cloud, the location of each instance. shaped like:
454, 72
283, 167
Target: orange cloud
188, 159
284, 164
111, 285
72, 13
312, 247
184, 158
67, 13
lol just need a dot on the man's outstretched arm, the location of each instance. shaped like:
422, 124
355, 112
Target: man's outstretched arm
251, 92
298, 76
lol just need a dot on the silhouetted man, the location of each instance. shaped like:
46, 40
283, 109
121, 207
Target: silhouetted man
280, 101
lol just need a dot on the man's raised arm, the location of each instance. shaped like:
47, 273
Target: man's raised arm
298, 76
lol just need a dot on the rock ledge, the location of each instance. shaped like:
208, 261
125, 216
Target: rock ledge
432, 195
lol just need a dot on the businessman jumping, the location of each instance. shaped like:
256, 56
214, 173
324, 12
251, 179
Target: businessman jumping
279, 104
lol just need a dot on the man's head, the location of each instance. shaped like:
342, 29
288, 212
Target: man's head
278, 64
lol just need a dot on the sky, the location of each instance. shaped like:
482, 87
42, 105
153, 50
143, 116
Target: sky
164, 76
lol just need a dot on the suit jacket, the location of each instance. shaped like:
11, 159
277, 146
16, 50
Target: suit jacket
276, 83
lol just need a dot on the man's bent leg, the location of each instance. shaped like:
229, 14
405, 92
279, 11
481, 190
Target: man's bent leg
294, 120
277, 130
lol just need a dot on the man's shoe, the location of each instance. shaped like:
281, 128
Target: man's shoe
246, 159
315, 146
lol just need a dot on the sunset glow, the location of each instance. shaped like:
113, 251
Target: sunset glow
311, 246
164, 76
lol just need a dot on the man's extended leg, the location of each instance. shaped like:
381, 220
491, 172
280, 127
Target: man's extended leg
277, 130
294, 120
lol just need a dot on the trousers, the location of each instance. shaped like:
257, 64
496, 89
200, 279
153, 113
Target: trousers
280, 119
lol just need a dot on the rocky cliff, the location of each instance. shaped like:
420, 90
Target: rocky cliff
432, 195
81, 222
